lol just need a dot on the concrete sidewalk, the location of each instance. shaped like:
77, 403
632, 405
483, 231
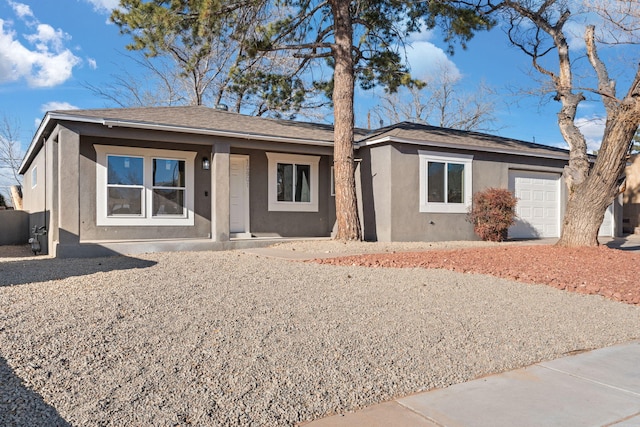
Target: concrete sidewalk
595, 388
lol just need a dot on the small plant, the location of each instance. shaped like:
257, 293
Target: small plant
492, 213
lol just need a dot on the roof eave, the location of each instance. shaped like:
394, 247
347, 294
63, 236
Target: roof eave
51, 117
386, 139
214, 132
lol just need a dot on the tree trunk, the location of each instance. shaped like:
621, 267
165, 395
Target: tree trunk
16, 197
592, 189
589, 200
343, 92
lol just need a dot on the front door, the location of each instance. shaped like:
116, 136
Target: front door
239, 195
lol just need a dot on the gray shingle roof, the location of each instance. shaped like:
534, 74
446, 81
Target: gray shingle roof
210, 119
205, 120
433, 135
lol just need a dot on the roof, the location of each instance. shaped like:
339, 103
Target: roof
210, 121
452, 138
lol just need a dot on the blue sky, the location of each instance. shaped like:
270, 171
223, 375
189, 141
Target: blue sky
50, 49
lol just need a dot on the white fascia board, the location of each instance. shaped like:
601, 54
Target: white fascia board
214, 132
43, 125
32, 145
462, 147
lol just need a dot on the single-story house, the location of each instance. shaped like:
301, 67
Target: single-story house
170, 178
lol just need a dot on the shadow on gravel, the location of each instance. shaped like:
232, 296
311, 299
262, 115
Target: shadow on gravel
22, 407
41, 270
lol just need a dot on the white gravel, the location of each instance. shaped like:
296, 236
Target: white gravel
229, 338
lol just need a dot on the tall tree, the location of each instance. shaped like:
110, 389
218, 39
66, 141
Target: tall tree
10, 152
191, 59
541, 29
361, 41
358, 40
439, 102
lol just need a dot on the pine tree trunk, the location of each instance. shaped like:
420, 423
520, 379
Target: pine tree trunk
343, 93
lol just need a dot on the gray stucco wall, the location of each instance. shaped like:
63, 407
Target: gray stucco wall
33, 195
395, 182
66, 201
89, 231
376, 183
288, 224
37, 195
14, 227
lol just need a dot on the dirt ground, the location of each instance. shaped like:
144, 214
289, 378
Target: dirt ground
612, 273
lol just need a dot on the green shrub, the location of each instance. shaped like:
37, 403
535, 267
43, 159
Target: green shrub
492, 213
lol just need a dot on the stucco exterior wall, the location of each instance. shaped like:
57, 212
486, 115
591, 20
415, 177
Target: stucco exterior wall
90, 231
394, 180
376, 189
37, 194
14, 227
83, 224
287, 224
33, 193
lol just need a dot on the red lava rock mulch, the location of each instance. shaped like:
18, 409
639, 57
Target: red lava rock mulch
612, 273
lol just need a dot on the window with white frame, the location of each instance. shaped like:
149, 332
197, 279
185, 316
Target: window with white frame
333, 182
141, 186
34, 176
293, 182
445, 182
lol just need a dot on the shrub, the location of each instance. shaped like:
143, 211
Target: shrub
492, 213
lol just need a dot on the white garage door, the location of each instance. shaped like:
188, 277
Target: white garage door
606, 229
538, 207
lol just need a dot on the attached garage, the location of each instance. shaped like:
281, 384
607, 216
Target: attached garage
538, 208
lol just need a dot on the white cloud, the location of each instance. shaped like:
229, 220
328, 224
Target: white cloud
575, 35
104, 6
47, 36
21, 9
424, 35
92, 63
57, 105
45, 63
53, 106
593, 130
428, 61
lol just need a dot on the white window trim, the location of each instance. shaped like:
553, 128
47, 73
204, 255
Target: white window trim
278, 206
34, 177
466, 160
148, 154
332, 188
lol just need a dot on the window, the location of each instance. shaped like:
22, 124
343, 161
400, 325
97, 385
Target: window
168, 187
140, 186
125, 186
333, 182
293, 182
445, 182
34, 176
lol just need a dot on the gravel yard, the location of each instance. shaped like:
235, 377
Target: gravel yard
231, 338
